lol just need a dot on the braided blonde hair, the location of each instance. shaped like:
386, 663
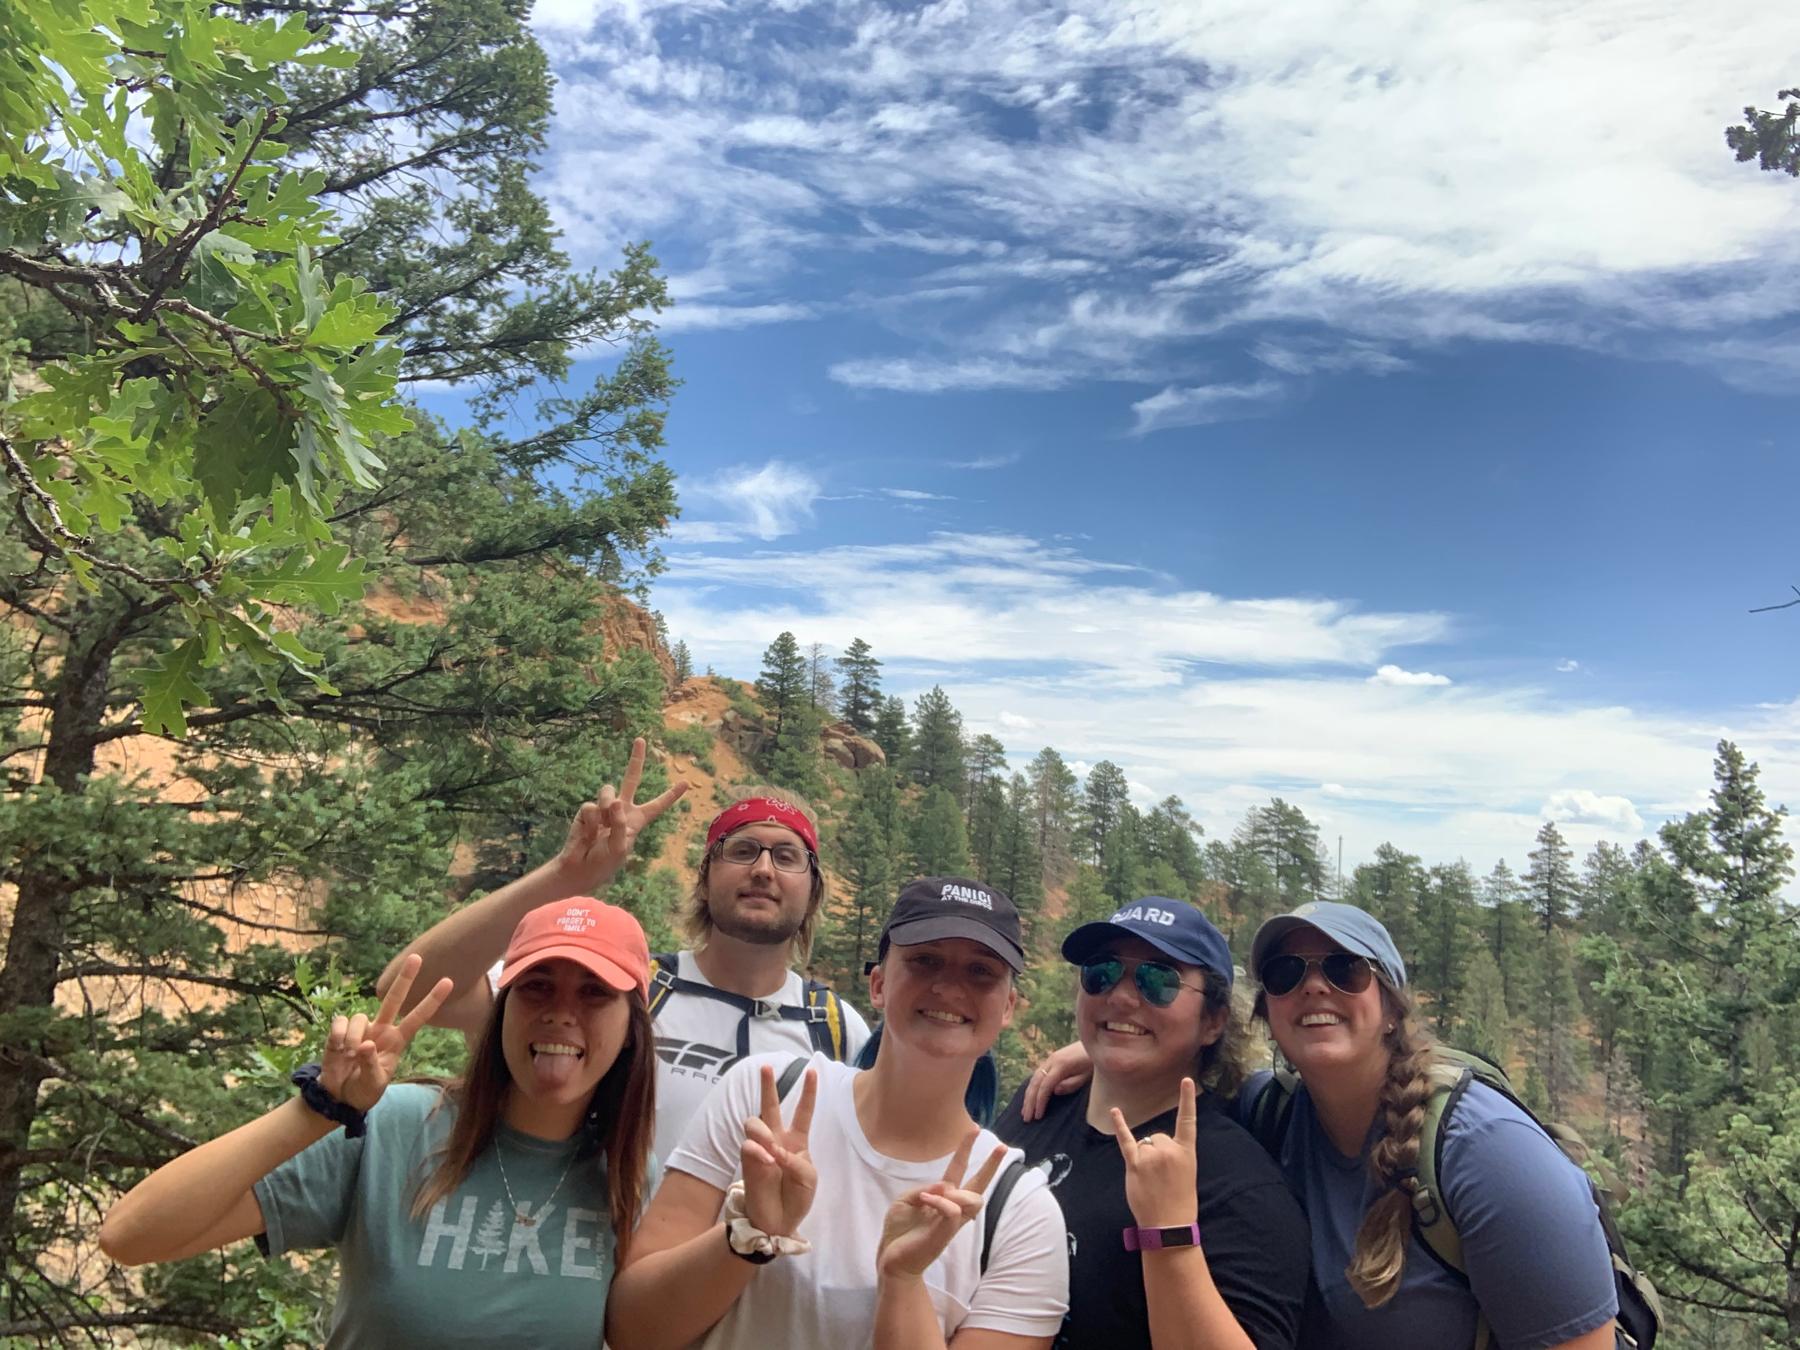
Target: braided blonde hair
1380, 1255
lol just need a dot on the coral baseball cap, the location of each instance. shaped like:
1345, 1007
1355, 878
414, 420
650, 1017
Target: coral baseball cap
600, 938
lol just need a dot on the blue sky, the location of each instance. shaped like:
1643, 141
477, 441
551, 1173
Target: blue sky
1386, 407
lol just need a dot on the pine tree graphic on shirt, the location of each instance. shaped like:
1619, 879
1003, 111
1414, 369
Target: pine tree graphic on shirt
488, 1238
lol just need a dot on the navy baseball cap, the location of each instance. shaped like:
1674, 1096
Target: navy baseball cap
956, 907
1351, 928
1174, 927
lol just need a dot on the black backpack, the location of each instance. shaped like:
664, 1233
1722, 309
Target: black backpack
1640, 1318
822, 1013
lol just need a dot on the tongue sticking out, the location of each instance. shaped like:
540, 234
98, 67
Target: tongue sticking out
554, 1070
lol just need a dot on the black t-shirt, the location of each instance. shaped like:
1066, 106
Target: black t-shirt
1251, 1228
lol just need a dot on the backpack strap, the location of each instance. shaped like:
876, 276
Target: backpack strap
789, 1076
662, 980
822, 1012
824, 1019
990, 1214
1272, 1110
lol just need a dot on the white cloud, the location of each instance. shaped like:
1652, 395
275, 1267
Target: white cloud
1202, 404
764, 502
691, 318
1172, 160
1568, 666
988, 461
1578, 806
1394, 675
1227, 701
915, 495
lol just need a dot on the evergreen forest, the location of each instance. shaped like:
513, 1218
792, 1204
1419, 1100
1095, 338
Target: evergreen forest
290, 667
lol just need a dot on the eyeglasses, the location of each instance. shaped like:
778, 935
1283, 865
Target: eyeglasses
744, 851
1344, 971
1159, 984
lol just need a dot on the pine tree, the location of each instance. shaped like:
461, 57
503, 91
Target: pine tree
1483, 1023
684, 662
936, 759
783, 683
1550, 879
893, 734
986, 798
870, 847
1017, 868
1171, 841
821, 693
1104, 796
1289, 843
859, 689
1446, 906
1506, 932
435, 738
1053, 792
490, 1238
938, 843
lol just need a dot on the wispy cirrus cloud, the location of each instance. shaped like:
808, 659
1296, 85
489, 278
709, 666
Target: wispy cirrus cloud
1166, 167
762, 502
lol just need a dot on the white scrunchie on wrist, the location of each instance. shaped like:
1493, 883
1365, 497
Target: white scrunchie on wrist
746, 1237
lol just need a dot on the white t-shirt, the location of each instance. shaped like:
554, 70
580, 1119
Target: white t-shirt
825, 1299
697, 1036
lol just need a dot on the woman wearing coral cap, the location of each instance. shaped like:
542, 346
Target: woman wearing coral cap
489, 1210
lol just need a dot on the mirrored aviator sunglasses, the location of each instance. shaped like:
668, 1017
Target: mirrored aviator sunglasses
1160, 985
1346, 972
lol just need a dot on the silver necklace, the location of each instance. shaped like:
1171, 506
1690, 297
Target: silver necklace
523, 1212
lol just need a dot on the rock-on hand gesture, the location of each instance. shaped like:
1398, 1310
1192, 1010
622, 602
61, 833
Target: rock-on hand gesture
1160, 1171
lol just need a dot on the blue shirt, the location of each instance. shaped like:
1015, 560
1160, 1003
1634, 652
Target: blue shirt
1537, 1261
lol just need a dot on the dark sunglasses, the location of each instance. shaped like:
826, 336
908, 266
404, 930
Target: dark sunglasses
1344, 971
1158, 983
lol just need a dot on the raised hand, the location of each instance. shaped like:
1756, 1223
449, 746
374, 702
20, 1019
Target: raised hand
1159, 1171
779, 1176
362, 1054
920, 1224
604, 831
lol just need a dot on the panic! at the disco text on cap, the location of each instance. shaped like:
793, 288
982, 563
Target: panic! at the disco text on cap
956, 907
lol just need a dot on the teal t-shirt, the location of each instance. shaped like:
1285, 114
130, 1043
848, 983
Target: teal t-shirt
468, 1272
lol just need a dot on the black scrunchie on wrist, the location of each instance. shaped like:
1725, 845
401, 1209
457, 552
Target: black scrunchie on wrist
315, 1095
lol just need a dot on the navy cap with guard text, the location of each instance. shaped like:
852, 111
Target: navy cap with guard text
1174, 927
956, 907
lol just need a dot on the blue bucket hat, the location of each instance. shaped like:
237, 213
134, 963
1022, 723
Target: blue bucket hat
1174, 927
1351, 928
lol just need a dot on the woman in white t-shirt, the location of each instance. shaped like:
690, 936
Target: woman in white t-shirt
843, 1217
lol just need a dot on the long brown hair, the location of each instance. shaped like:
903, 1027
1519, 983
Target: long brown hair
615, 1132
696, 916
1379, 1258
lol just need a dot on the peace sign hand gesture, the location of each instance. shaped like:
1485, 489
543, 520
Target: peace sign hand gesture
920, 1224
779, 1176
361, 1055
1160, 1171
604, 831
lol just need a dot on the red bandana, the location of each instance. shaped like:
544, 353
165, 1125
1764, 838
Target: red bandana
762, 811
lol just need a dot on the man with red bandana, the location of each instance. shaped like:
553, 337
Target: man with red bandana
749, 920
